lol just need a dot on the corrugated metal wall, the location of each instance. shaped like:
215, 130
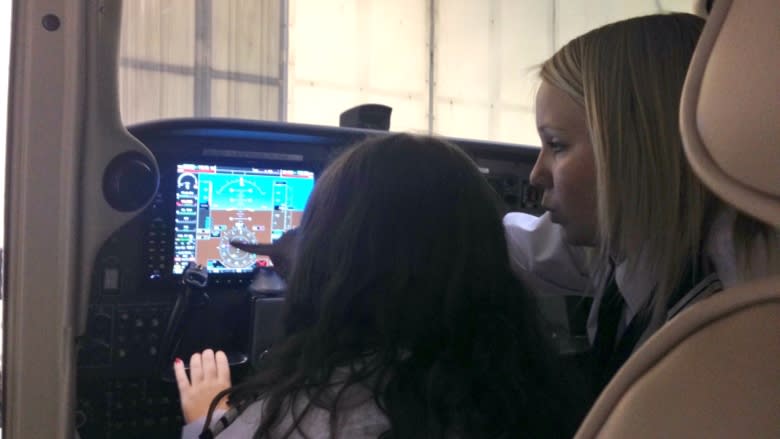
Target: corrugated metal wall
461, 68
201, 58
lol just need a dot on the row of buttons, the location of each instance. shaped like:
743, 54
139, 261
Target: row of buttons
127, 334
129, 408
138, 332
158, 254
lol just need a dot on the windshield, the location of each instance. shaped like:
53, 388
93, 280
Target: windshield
462, 68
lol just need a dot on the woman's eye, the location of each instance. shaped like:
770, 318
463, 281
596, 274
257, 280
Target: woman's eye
556, 146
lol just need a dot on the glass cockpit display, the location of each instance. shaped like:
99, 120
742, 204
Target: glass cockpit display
218, 204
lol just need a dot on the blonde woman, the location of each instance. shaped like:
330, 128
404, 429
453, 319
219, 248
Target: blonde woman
616, 184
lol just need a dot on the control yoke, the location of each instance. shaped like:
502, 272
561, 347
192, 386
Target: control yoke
194, 278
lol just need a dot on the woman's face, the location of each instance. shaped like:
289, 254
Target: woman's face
565, 169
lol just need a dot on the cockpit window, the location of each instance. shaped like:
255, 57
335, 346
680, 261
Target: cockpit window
460, 69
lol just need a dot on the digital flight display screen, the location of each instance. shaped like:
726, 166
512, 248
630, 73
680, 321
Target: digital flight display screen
218, 204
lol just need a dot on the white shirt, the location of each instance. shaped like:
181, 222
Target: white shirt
359, 418
540, 257
364, 421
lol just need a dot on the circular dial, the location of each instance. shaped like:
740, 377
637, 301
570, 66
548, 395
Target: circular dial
232, 257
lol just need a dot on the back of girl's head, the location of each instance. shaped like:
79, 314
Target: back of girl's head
398, 239
629, 76
402, 278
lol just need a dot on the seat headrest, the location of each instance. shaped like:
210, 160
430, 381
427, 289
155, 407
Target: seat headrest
730, 109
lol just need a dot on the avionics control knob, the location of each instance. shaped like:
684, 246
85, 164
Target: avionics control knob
130, 181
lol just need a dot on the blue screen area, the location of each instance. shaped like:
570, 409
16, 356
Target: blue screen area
218, 204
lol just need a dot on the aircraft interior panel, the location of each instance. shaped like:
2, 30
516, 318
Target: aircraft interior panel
220, 180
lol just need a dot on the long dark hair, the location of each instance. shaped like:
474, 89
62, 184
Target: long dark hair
402, 280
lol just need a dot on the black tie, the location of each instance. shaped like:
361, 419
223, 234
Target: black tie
605, 342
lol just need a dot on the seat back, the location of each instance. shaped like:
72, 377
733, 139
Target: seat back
714, 370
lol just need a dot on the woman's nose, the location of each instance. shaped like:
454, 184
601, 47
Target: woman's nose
540, 174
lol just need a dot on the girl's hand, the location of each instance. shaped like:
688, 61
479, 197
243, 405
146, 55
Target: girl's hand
281, 252
209, 375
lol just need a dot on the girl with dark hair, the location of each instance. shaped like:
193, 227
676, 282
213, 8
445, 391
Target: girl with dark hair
403, 318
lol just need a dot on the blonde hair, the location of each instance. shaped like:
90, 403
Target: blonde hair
628, 76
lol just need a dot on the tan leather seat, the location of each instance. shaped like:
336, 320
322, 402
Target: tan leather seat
714, 371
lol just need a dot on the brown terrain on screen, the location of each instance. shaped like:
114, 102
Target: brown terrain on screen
208, 249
